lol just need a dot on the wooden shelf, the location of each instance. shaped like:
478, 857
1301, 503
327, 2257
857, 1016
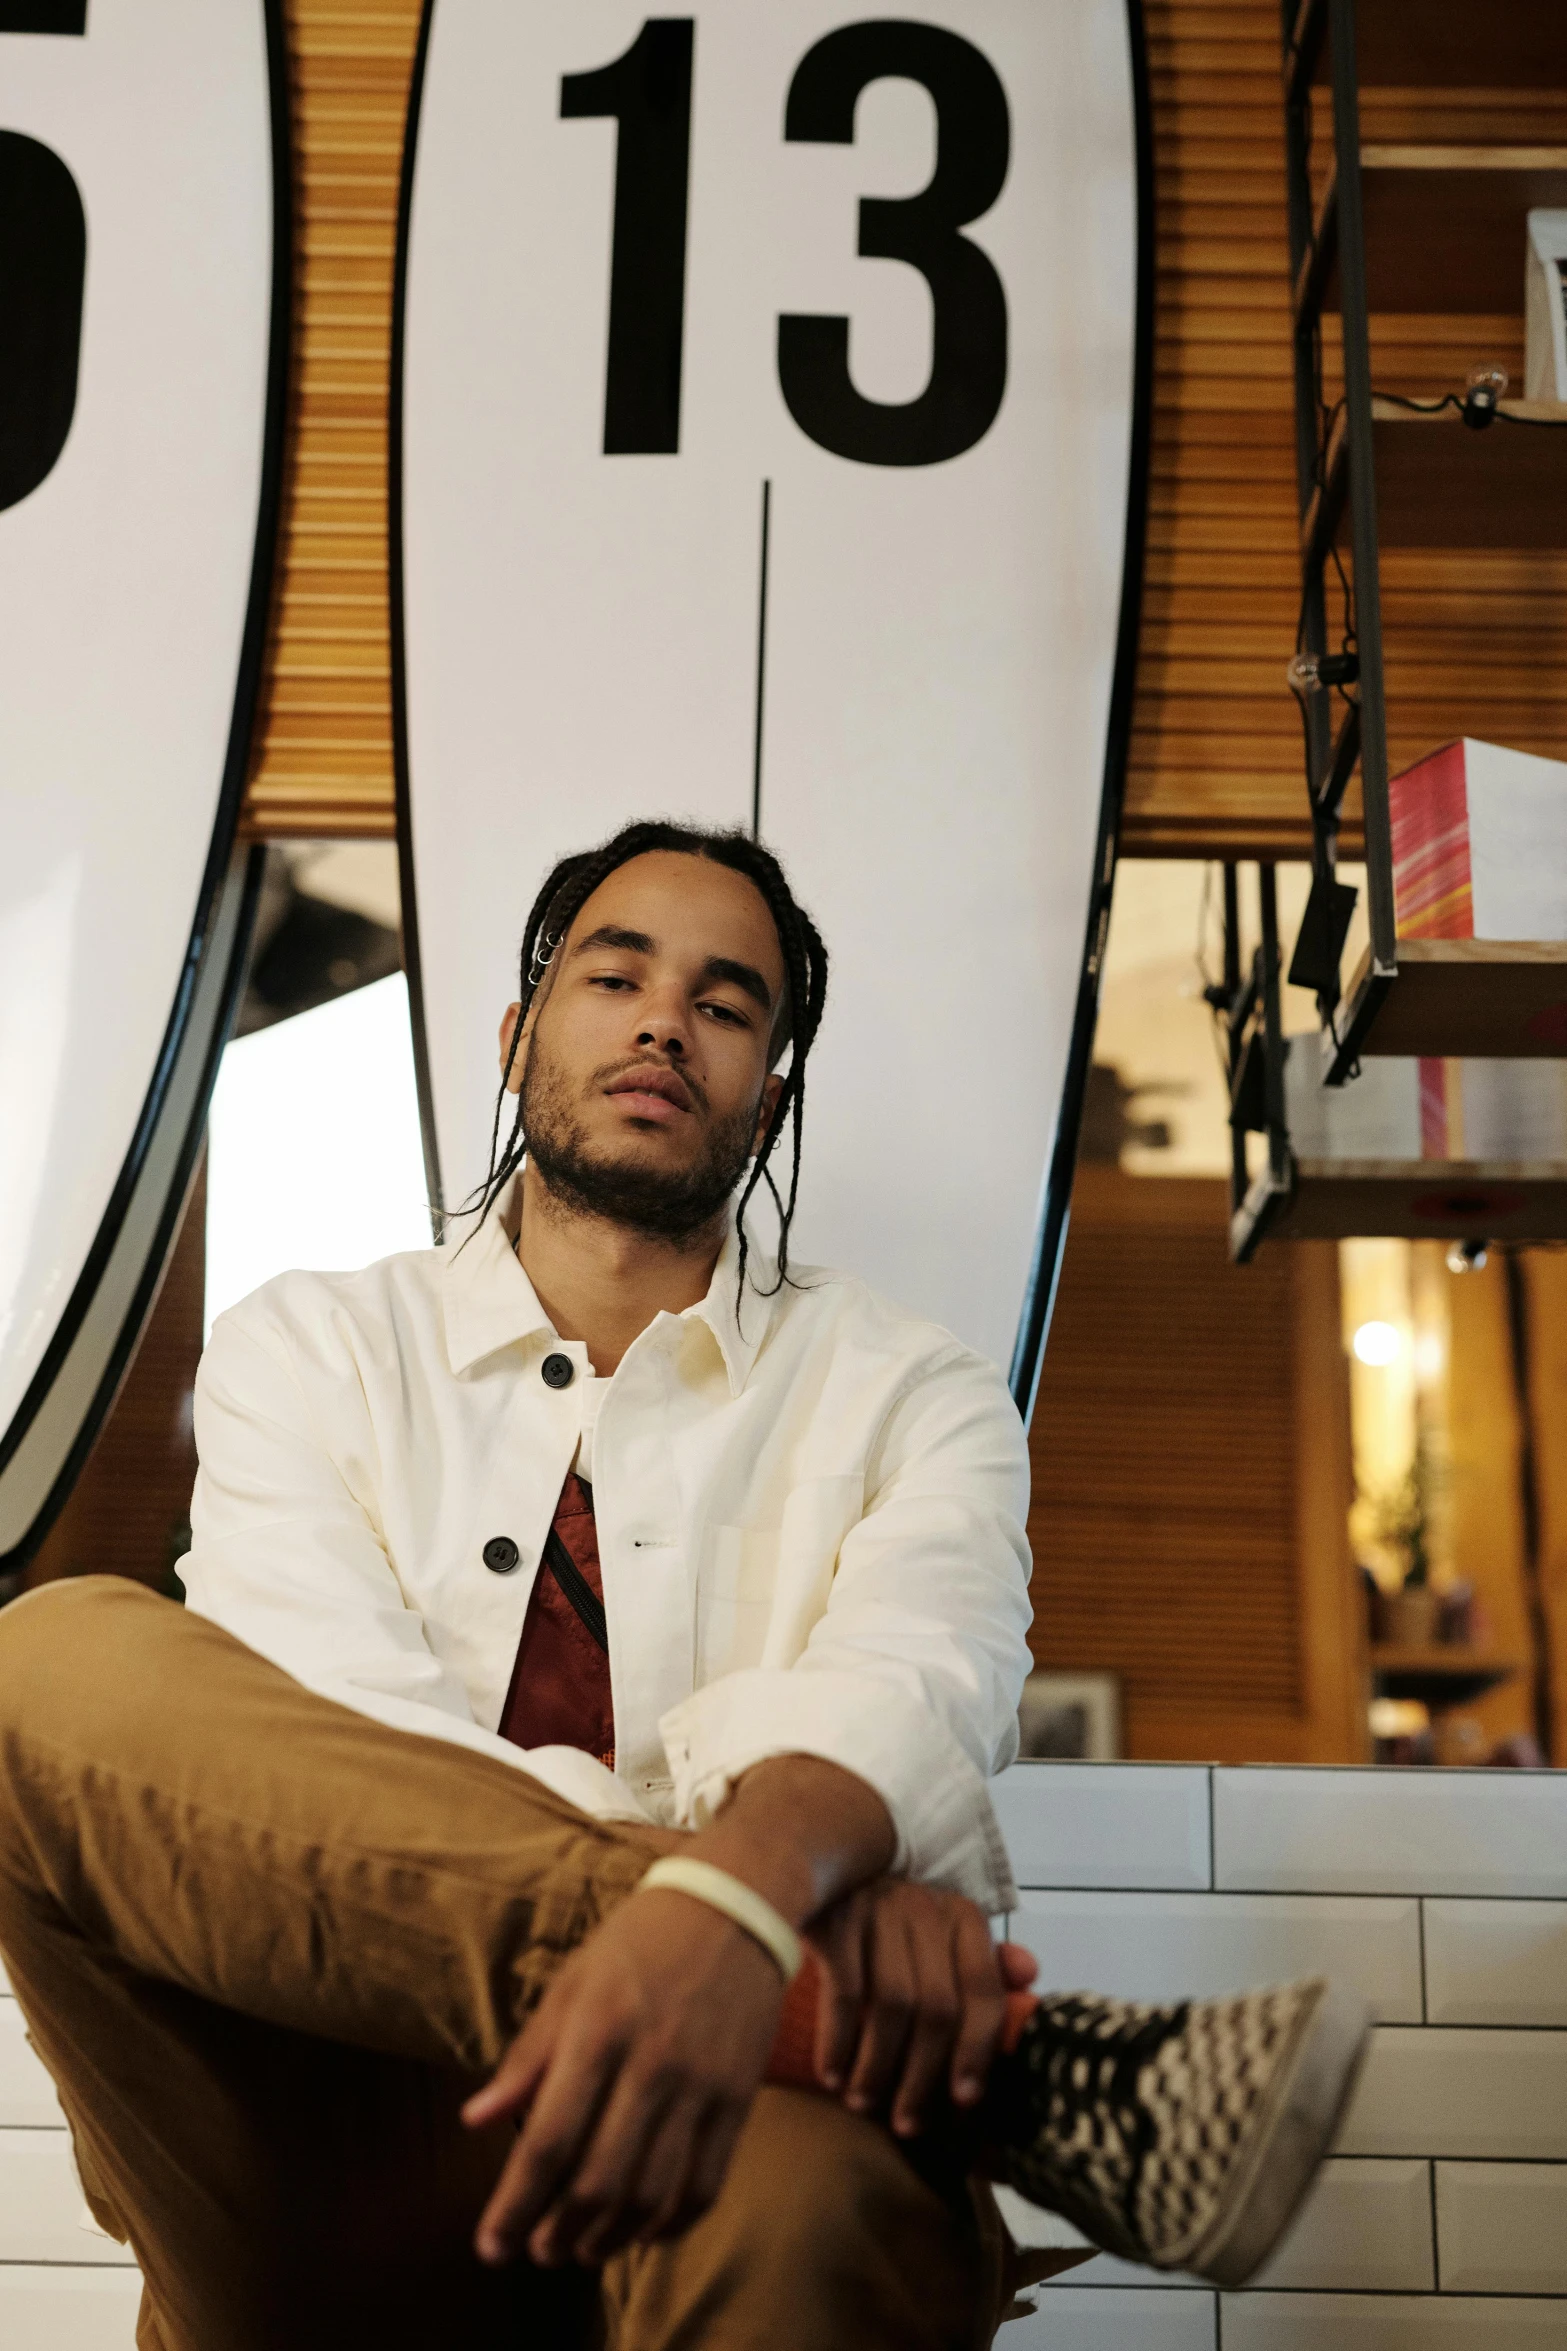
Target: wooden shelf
1441, 485
1472, 998
1446, 227
1463, 134
1424, 1200
1453, 45
1439, 1677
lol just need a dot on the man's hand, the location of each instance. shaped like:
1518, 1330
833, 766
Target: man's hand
631, 2080
915, 1999
633, 2077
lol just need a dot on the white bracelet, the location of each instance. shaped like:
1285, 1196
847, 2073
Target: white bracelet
679, 1873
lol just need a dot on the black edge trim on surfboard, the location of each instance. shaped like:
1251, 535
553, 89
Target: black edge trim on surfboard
1055, 1208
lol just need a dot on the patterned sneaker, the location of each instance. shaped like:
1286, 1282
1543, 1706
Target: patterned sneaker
1183, 2138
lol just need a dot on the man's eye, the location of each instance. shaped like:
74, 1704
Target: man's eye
727, 1012
610, 979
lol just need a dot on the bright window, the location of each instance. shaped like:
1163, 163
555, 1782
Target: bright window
314, 1156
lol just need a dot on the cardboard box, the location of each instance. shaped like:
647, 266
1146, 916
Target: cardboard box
1480, 845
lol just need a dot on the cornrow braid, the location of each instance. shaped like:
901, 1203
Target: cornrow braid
567, 890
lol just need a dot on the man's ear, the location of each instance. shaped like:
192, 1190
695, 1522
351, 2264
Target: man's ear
510, 1021
772, 1087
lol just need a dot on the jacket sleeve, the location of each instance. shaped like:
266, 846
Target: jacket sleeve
287, 1558
912, 1675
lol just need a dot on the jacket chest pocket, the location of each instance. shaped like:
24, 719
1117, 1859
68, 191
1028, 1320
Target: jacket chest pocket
735, 1593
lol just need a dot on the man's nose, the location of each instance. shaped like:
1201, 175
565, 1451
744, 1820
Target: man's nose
665, 1029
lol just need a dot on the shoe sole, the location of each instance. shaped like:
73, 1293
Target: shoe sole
1309, 2101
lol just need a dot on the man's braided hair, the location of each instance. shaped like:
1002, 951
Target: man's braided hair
568, 889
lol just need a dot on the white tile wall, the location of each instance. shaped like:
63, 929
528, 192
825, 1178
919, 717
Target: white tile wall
1366, 2228
1441, 2222
27, 2096
1457, 2091
1496, 1962
1386, 2322
1503, 2225
1168, 1946
1391, 1832
1114, 2320
68, 2309
1106, 1824
1103, 2271
42, 2214
63, 2287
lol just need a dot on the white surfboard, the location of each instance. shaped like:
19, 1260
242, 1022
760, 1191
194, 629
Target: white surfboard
769, 383
143, 324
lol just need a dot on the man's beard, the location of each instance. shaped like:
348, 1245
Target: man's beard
668, 1204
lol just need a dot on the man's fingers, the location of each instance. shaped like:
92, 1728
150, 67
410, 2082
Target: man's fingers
523, 2182
564, 2109
889, 2015
514, 2080
610, 2194
982, 2006
1019, 1967
925, 2063
934, 1942
842, 1954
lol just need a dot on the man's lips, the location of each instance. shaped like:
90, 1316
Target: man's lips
651, 1092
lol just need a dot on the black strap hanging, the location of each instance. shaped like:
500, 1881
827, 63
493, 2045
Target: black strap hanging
578, 1591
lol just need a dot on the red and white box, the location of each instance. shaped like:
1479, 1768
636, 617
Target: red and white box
1488, 1112
1480, 845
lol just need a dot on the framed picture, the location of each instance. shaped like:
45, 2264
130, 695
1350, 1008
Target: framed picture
1071, 1717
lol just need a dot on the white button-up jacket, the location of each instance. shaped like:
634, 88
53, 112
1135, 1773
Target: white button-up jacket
810, 1523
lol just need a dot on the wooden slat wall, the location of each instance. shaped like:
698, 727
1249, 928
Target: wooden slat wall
1216, 742
1191, 1482
133, 1495
324, 752
1475, 642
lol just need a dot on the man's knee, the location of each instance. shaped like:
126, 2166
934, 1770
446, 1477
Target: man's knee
61, 1643
825, 2232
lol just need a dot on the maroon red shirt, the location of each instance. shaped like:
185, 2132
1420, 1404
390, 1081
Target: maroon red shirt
560, 1693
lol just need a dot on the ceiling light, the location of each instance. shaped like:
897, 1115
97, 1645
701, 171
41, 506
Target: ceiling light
1376, 1343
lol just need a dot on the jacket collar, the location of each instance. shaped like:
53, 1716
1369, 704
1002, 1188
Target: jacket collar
739, 1334
489, 1302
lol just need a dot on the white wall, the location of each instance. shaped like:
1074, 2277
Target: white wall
1440, 2222
313, 1151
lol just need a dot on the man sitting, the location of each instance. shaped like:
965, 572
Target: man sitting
580, 1615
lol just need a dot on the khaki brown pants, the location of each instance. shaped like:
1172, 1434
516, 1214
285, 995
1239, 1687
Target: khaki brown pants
266, 1947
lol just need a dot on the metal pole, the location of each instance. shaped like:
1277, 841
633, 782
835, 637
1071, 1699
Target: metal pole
1362, 487
1273, 1032
1233, 1028
1312, 631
